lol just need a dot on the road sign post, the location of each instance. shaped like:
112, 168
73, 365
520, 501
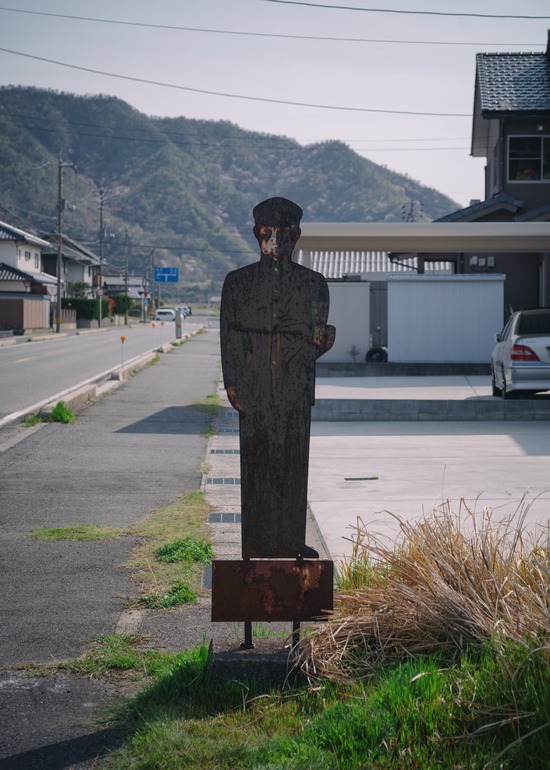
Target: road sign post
165, 275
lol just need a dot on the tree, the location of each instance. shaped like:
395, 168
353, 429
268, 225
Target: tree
79, 289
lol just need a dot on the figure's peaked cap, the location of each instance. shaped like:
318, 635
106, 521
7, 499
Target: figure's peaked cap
277, 212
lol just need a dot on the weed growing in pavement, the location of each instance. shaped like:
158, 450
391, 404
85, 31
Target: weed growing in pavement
178, 593
212, 406
31, 420
62, 413
186, 549
153, 361
76, 532
186, 516
111, 656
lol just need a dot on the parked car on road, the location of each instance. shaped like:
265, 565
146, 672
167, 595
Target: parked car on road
520, 362
165, 314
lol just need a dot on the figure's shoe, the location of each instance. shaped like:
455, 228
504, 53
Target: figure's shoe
306, 552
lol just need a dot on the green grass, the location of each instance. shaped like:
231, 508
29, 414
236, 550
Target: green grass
418, 715
76, 532
186, 549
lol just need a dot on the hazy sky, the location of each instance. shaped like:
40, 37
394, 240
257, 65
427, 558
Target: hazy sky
389, 66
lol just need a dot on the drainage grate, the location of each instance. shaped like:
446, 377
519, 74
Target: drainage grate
207, 577
225, 451
224, 518
223, 480
228, 430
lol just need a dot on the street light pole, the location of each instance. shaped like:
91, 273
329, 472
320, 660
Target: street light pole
60, 203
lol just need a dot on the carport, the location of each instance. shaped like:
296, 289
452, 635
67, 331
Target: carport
462, 243
429, 238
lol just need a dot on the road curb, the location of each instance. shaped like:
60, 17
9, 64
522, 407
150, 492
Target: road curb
84, 394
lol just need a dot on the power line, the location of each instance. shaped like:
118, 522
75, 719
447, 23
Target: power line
220, 142
323, 38
409, 13
235, 141
309, 105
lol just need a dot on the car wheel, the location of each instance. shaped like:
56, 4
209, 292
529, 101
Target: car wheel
376, 355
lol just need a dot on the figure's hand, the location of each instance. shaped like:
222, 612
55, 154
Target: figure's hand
324, 338
233, 399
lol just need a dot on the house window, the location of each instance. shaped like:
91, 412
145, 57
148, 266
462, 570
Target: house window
528, 158
37, 261
27, 256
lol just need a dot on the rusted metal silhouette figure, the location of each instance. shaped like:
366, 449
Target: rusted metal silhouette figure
273, 329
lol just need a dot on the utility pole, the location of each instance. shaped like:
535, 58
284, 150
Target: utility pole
102, 198
149, 298
126, 278
60, 206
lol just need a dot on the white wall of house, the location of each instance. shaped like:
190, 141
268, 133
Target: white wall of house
23, 256
350, 314
446, 319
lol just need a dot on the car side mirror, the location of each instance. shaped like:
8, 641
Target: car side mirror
497, 337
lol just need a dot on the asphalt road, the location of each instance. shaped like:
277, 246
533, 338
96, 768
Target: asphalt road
33, 371
127, 454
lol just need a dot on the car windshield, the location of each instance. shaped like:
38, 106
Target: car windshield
535, 323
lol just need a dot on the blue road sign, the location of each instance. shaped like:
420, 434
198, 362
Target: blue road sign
166, 274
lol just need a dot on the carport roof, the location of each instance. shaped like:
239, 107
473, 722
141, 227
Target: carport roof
422, 237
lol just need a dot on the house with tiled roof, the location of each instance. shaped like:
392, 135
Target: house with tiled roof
25, 291
78, 264
511, 129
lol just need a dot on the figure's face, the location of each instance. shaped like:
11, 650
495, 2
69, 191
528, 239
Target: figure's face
277, 242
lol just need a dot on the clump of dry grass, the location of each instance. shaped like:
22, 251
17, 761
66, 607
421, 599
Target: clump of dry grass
451, 581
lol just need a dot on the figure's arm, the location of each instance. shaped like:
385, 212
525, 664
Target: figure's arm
234, 399
324, 334
230, 341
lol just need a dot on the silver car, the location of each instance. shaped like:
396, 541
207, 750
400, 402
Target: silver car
520, 362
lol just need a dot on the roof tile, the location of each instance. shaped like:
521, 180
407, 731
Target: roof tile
514, 82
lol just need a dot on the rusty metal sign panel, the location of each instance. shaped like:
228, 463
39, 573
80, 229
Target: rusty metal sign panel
271, 590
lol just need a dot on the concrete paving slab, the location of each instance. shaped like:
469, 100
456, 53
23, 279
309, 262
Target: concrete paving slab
372, 470
457, 387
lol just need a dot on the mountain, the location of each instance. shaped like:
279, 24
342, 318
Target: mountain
176, 191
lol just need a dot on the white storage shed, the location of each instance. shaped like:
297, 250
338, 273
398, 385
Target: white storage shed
445, 318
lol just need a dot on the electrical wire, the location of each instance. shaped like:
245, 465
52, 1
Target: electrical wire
408, 13
323, 38
235, 142
309, 105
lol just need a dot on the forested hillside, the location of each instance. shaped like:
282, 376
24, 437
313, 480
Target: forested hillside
178, 191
